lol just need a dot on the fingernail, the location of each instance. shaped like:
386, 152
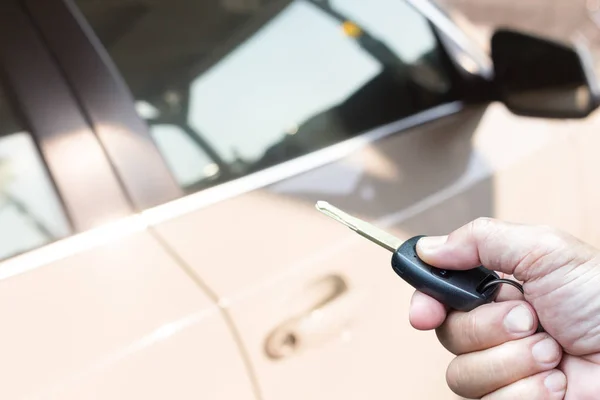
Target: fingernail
519, 320
430, 244
556, 382
545, 351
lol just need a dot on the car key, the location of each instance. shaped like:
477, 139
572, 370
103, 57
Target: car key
459, 290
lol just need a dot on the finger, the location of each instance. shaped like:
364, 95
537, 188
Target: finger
583, 374
550, 385
474, 375
425, 313
487, 326
505, 247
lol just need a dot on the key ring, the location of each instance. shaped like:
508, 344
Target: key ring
501, 281
517, 285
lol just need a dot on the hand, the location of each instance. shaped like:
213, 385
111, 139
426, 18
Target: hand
499, 355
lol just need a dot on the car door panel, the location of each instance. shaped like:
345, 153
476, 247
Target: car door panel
120, 320
385, 180
88, 311
319, 311
187, 359
391, 169
278, 246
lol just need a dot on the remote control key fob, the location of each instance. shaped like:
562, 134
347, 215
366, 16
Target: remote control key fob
459, 290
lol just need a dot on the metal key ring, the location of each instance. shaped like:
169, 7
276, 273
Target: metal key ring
500, 281
517, 285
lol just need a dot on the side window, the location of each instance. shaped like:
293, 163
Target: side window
187, 160
231, 87
31, 213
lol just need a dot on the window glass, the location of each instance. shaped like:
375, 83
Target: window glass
188, 162
31, 213
232, 87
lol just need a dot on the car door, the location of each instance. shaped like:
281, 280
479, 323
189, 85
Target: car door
91, 304
261, 109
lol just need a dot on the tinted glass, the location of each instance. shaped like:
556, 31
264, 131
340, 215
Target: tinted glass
31, 213
230, 87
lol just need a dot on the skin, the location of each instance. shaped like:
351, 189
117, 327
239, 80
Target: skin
499, 355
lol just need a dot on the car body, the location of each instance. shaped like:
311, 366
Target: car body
161, 238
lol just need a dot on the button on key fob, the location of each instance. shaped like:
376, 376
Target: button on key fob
459, 290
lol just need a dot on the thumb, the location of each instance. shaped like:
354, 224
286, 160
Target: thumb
560, 273
524, 251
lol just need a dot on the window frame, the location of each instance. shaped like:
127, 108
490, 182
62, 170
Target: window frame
131, 150
38, 94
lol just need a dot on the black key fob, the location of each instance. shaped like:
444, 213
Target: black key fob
459, 290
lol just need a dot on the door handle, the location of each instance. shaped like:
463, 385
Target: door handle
328, 316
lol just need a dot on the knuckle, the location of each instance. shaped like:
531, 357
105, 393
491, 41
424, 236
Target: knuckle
471, 331
550, 248
454, 378
484, 221
482, 227
445, 335
460, 333
481, 224
552, 236
463, 332
546, 228
462, 379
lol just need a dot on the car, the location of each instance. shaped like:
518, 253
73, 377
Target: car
161, 161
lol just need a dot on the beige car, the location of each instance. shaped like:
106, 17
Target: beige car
161, 161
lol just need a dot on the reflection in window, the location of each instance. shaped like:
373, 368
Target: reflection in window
188, 162
297, 66
228, 91
31, 214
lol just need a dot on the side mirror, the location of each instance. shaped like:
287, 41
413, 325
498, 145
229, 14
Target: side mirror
541, 78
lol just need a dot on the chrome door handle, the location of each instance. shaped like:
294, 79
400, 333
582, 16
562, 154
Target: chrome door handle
327, 318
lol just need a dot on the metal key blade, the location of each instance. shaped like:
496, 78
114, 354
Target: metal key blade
361, 227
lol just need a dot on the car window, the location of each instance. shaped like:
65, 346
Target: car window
31, 213
231, 87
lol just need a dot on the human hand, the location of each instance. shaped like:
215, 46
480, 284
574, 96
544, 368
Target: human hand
499, 354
